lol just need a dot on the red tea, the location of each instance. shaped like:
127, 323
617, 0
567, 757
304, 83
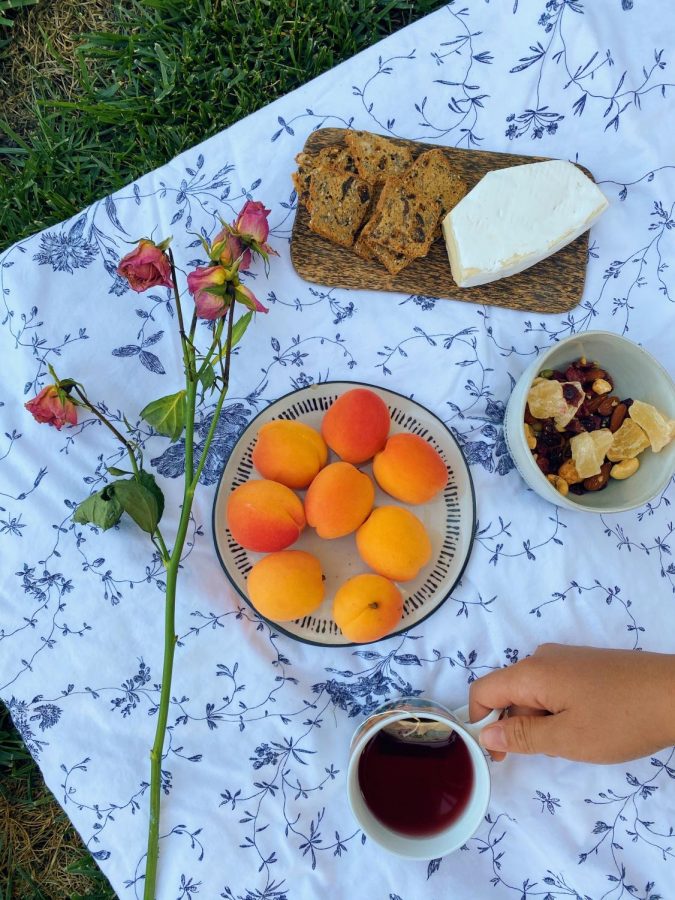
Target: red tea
416, 788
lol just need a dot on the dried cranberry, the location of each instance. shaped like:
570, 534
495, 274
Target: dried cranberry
591, 423
627, 403
577, 489
543, 464
555, 460
574, 427
574, 374
571, 393
558, 376
549, 437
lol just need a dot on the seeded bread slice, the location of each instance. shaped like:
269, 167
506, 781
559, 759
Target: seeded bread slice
404, 221
432, 173
393, 262
339, 202
338, 159
410, 208
377, 157
362, 247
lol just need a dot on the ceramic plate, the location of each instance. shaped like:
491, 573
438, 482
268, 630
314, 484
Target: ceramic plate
449, 518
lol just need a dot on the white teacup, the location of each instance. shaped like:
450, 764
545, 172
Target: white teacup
469, 820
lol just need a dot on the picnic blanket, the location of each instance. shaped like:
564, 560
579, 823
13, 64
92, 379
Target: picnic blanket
254, 800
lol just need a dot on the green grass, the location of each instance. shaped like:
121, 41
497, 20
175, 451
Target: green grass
91, 114
8, 7
41, 856
163, 76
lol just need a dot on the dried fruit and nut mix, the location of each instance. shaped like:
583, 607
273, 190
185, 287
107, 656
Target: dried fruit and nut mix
581, 434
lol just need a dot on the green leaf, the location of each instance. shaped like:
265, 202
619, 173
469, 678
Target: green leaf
238, 330
113, 470
167, 414
208, 376
148, 482
102, 509
139, 501
240, 327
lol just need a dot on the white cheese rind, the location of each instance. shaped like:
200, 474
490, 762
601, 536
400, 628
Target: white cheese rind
513, 218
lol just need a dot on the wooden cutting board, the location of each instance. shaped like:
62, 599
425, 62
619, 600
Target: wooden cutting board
554, 285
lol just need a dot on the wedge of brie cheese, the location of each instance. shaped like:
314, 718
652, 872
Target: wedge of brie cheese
518, 216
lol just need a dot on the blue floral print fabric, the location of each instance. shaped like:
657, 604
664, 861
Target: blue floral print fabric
254, 799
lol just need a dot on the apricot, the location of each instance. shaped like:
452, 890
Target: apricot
339, 500
289, 452
286, 585
394, 543
410, 469
356, 425
264, 516
367, 607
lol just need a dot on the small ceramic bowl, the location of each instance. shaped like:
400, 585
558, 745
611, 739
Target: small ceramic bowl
636, 375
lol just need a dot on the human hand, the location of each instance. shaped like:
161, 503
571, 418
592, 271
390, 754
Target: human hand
581, 703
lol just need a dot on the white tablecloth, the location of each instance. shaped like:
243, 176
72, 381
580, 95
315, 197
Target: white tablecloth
254, 801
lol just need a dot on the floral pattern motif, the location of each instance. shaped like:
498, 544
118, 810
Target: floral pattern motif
259, 726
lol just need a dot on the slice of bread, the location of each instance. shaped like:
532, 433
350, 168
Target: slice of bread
338, 202
393, 262
337, 159
432, 173
404, 221
377, 157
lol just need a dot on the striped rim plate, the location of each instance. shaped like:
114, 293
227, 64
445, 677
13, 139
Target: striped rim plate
449, 517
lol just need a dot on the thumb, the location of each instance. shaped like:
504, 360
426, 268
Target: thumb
523, 734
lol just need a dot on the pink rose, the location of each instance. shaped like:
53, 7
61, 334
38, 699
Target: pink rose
252, 222
145, 267
207, 286
227, 248
243, 295
53, 406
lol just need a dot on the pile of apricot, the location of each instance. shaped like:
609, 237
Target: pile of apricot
266, 515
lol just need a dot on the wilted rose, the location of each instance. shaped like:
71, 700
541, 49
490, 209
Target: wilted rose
53, 406
145, 267
213, 288
252, 222
227, 248
207, 286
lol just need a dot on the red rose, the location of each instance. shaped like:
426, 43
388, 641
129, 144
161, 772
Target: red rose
252, 222
227, 249
145, 267
207, 286
53, 406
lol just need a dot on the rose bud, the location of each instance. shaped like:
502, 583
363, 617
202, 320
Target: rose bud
252, 222
53, 406
145, 267
228, 249
207, 285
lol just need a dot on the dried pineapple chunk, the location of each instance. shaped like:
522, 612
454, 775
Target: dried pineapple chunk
654, 423
546, 400
629, 441
589, 450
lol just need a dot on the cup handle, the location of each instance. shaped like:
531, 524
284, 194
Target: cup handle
474, 728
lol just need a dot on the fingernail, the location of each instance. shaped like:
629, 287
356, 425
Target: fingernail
493, 738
